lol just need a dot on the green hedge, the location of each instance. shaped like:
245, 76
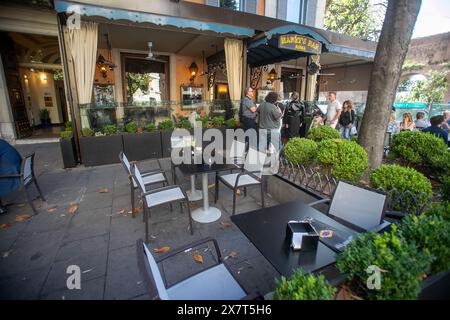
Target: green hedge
401, 264
323, 133
441, 209
303, 287
445, 188
345, 159
421, 149
430, 234
402, 179
301, 151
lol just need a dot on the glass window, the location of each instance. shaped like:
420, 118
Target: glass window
293, 11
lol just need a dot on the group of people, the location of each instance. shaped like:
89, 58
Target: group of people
438, 125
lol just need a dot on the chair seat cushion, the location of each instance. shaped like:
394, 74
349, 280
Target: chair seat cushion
151, 178
215, 283
164, 196
243, 180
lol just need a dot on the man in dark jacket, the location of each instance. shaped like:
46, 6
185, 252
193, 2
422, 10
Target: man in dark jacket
435, 128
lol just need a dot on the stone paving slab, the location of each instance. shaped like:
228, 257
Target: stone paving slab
100, 236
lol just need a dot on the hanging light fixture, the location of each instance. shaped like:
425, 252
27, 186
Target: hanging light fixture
273, 75
193, 69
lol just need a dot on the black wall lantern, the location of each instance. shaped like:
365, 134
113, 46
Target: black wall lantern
193, 69
273, 75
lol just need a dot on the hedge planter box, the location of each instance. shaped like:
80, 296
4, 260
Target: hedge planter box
96, 151
165, 143
140, 146
436, 287
68, 152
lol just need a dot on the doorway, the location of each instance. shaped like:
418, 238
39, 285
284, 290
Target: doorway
292, 81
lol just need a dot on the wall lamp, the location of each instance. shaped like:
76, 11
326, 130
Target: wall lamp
193, 69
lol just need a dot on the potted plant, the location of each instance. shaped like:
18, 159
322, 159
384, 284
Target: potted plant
66, 143
166, 127
139, 144
101, 147
44, 116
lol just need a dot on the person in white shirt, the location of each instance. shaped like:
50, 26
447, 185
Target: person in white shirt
334, 110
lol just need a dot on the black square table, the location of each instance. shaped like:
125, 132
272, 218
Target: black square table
266, 229
207, 213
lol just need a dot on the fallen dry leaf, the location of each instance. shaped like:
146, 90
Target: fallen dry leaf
225, 224
22, 217
161, 250
137, 210
232, 254
20, 205
73, 209
121, 211
52, 209
5, 225
6, 253
198, 257
103, 190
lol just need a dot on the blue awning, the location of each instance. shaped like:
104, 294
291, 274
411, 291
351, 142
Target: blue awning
156, 19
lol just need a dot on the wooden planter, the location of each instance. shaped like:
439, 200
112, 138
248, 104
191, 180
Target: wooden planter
96, 151
140, 146
68, 152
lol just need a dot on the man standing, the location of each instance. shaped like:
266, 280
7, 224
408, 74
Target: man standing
334, 110
270, 122
248, 110
436, 123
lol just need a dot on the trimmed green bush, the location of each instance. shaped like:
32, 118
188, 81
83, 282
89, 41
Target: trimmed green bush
109, 129
131, 127
430, 234
345, 159
150, 127
185, 124
166, 125
68, 125
303, 287
66, 134
87, 132
445, 188
420, 149
301, 151
231, 123
323, 133
441, 209
204, 120
401, 264
217, 121
402, 179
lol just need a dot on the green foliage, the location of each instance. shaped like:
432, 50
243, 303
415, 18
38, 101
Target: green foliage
44, 114
345, 159
420, 148
217, 121
357, 18
401, 263
432, 89
430, 234
185, 124
445, 188
166, 125
402, 179
411, 65
109, 129
441, 209
204, 120
135, 81
58, 75
323, 133
66, 134
131, 127
231, 123
303, 287
68, 125
87, 132
150, 127
301, 151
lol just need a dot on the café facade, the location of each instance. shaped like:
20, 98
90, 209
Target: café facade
149, 61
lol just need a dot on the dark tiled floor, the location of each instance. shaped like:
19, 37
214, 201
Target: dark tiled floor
100, 237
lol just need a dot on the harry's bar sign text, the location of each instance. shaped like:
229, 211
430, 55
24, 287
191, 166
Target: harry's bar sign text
299, 43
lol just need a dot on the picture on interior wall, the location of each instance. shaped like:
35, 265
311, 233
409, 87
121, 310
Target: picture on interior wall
104, 95
191, 96
48, 101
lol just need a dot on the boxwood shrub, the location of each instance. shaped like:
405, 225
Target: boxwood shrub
445, 188
345, 159
303, 287
400, 263
430, 234
441, 209
323, 133
166, 125
403, 179
301, 151
421, 149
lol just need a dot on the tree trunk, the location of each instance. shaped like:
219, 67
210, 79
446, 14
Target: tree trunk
401, 16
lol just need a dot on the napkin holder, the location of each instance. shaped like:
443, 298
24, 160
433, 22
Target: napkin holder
302, 236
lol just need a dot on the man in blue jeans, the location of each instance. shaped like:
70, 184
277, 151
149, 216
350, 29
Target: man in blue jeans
10, 161
248, 116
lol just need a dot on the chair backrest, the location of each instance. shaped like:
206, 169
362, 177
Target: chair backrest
136, 175
362, 208
27, 168
150, 272
255, 160
237, 149
127, 166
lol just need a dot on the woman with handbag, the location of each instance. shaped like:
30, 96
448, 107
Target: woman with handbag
346, 120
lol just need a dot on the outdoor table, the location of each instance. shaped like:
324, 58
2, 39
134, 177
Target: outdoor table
207, 213
266, 229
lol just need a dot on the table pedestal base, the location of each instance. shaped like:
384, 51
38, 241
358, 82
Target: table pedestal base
201, 215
